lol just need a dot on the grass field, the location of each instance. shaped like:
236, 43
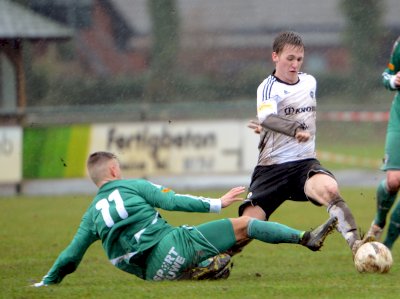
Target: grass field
359, 140
35, 230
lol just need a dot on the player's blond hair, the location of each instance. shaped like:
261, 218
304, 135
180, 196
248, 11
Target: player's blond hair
97, 165
287, 38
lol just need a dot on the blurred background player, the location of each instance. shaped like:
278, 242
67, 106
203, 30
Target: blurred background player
138, 240
287, 167
389, 187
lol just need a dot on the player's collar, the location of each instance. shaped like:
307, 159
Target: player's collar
281, 81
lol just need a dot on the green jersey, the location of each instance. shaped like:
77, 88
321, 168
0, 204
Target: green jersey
124, 217
392, 68
392, 143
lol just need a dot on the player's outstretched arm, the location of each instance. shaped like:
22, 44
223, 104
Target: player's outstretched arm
232, 196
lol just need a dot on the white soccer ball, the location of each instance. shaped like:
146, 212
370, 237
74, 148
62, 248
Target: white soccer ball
373, 257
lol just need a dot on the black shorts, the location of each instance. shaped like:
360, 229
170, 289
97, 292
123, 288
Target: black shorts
272, 185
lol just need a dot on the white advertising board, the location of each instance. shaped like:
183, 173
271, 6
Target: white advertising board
10, 155
179, 148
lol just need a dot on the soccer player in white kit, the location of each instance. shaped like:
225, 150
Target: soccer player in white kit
287, 168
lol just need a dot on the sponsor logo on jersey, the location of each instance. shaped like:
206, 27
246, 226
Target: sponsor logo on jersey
171, 266
291, 110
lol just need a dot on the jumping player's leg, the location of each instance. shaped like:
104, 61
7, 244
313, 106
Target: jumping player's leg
323, 188
263, 197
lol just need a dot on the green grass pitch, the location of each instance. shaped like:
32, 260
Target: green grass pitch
35, 229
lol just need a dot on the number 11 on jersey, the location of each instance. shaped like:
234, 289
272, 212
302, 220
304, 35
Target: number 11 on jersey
104, 206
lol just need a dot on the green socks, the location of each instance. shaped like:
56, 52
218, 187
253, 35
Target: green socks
394, 227
385, 201
273, 232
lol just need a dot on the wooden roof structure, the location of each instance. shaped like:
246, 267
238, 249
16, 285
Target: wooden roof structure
17, 24
17, 21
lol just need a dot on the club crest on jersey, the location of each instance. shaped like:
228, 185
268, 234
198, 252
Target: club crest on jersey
385, 159
276, 98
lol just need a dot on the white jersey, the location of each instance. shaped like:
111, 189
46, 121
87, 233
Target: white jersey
296, 102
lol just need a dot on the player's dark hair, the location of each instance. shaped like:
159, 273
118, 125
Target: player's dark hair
287, 38
98, 156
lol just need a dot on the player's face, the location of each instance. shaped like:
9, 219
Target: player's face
288, 63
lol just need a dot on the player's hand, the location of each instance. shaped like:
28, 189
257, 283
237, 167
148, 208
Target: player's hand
302, 136
231, 196
39, 284
255, 126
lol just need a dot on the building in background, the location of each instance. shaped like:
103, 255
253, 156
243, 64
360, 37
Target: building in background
19, 25
114, 36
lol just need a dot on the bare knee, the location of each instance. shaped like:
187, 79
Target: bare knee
240, 225
254, 212
322, 188
332, 191
393, 181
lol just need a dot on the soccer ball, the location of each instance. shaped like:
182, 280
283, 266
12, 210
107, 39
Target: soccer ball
373, 257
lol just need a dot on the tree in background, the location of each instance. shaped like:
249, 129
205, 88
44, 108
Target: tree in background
363, 34
165, 46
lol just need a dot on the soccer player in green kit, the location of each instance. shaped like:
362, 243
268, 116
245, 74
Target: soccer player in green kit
389, 187
138, 240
